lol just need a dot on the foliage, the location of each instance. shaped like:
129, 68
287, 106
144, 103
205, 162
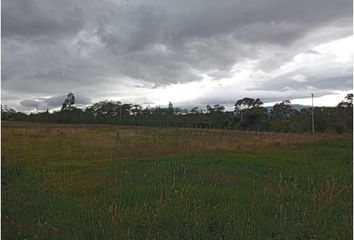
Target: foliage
253, 119
247, 103
283, 110
107, 108
68, 102
248, 115
10, 114
347, 102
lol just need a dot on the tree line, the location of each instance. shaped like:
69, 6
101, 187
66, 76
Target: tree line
248, 114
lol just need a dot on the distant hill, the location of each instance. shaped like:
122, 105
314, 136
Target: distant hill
297, 107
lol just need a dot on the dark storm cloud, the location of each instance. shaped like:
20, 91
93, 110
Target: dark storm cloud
30, 103
51, 47
39, 18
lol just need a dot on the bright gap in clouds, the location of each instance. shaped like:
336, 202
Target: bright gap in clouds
342, 49
180, 92
327, 100
331, 57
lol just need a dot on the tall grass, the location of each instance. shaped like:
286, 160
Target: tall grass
137, 183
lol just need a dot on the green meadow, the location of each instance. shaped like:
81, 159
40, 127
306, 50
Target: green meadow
111, 182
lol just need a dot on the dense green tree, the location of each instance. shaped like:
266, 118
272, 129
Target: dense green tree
254, 119
195, 110
136, 110
126, 109
109, 108
218, 108
347, 102
248, 115
8, 113
345, 111
283, 110
247, 103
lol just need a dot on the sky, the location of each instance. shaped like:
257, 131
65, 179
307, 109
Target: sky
188, 52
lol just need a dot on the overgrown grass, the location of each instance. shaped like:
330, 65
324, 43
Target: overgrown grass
66, 182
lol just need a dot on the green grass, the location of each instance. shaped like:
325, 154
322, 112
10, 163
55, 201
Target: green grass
297, 191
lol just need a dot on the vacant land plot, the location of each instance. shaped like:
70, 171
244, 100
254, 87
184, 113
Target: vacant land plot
105, 182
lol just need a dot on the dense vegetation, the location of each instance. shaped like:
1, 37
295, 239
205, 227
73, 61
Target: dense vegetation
248, 115
114, 182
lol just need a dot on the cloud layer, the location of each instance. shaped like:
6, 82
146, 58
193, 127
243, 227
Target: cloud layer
133, 50
53, 102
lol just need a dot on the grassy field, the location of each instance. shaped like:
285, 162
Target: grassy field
108, 182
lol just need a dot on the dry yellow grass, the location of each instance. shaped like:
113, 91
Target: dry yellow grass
90, 143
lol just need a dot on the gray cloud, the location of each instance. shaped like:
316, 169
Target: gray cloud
57, 101
30, 103
317, 83
310, 51
51, 47
54, 102
40, 18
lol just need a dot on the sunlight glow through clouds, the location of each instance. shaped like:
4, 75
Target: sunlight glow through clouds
323, 57
182, 92
299, 78
327, 100
186, 92
328, 55
341, 49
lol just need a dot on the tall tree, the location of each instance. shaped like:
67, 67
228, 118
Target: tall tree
195, 110
170, 108
252, 115
345, 109
136, 109
109, 108
283, 110
248, 103
218, 108
68, 102
347, 102
209, 109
